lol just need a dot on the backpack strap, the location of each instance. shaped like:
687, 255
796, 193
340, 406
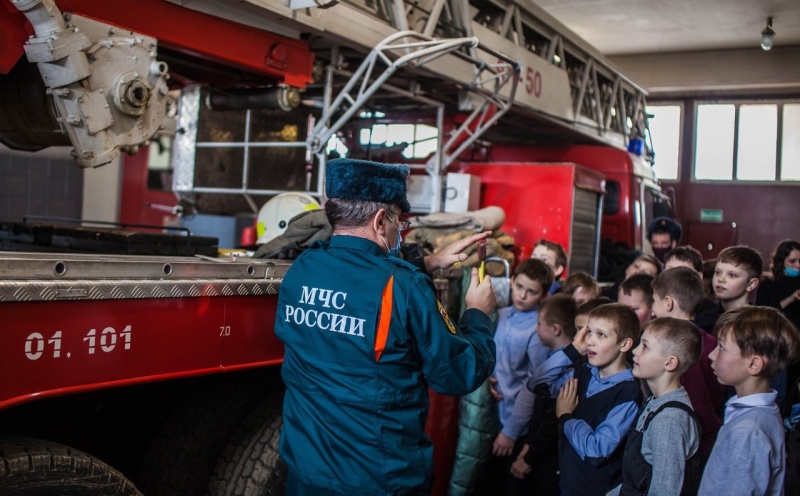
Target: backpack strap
669, 404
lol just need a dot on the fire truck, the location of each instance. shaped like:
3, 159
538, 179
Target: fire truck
140, 362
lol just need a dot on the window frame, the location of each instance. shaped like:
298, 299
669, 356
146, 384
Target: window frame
738, 103
681, 139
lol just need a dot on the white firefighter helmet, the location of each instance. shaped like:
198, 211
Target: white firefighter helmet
274, 216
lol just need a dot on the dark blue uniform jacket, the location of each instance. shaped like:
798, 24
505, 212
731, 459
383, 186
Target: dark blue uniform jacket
365, 336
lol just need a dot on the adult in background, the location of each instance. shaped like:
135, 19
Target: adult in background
664, 234
365, 337
782, 291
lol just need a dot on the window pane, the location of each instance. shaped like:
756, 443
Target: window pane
790, 154
400, 133
714, 153
758, 134
665, 130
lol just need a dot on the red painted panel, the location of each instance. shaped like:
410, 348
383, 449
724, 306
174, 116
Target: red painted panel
616, 165
537, 198
54, 348
280, 58
14, 31
137, 202
442, 428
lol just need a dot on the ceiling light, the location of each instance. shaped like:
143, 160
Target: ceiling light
768, 35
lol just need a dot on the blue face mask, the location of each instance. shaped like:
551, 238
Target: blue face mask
791, 272
393, 252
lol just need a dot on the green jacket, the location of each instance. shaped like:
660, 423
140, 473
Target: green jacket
365, 336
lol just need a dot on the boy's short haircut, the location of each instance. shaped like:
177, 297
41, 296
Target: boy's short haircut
744, 257
559, 309
686, 254
625, 322
561, 254
763, 331
683, 285
580, 279
590, 305
639, 282
652, 261
677, 337
536, 270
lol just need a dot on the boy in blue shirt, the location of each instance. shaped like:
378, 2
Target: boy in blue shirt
749, 457
536, 468
519, 350
594, 369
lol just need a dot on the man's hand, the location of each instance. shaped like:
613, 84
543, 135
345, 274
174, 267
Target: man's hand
480, 295
520, 469
503, 445
579, 341
493, 390
567, 400
452, 253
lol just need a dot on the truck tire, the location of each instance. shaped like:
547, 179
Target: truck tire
250, 464
183, 455
33, 467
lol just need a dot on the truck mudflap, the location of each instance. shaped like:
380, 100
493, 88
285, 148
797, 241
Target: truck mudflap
74, 323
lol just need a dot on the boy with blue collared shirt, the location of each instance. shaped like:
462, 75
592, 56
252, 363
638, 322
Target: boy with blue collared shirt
598, 399
749, 457
519, 350
536, 468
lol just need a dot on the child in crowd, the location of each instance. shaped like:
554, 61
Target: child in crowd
666, 434
598, 399
686, 256
644, 264
676, 293
736, 275
582, 313
755, 344
554, 255
537, 463
636, 293
519, 352
582, 287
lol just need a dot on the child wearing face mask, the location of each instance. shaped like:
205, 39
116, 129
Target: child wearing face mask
782, 291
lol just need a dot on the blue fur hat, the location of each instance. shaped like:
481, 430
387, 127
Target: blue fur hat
667, 225
351, 179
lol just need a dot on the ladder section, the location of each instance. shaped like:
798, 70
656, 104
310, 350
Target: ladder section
564, 82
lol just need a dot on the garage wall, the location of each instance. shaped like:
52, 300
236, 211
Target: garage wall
764, 213
719, 71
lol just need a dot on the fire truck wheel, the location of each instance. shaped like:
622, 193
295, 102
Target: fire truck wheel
250, 464
33, 467
182, 458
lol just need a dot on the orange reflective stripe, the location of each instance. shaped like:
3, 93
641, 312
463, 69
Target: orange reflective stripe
386, 317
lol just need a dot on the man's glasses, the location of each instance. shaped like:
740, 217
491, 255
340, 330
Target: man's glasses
401, 225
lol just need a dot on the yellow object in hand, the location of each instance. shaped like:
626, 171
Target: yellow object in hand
481, 259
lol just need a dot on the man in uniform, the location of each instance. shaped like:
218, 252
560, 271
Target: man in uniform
664, 234
365, 337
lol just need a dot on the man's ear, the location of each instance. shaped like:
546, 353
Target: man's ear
672, 363
752, 284
379, 221
757, 365
627, 344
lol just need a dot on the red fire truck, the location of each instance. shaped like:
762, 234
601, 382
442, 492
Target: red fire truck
140, 362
